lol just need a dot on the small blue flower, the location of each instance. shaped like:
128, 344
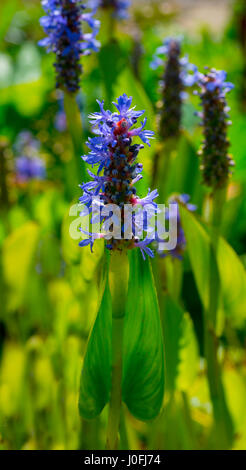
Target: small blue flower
63, 26
114, 153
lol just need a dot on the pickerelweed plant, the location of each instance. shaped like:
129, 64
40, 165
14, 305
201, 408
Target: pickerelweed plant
113, 152
69, 40
216, 171
177, 77
65, 37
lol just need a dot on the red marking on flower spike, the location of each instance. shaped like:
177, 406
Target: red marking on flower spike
121, 127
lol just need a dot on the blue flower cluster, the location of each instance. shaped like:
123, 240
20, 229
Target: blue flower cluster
178, 74
63, 26
113, 151
30, 168
28, 163
119, 8
216, 162
179, 250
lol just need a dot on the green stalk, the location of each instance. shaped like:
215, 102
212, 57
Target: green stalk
123, 432
162, 167
220, 409
77, 167
108, 23
118, 283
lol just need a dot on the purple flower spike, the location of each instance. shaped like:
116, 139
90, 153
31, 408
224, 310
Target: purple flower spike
216, 162
65, 37
178, 75
115, 154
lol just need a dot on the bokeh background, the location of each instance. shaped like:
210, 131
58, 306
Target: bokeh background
48, 285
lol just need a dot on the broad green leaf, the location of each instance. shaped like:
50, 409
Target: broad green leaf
188, 351
198, 246
96, 371
180, 346
171, 316
143, 362
233, 278
235, 388
231, 271
18, 257
143, 365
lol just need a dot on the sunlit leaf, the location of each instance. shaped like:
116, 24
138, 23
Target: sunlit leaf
143, 374
18, 257
11, 377
96, 371
180, 346
233, 280
188, 350
231, 271
143, 361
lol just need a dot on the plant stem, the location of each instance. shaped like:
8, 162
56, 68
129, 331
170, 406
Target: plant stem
221, 413
108, 24
75, 128
115, 399
118, 283
162, 167
123, 432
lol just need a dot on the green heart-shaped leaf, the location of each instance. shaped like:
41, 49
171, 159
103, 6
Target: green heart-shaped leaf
95, 380
143, 372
